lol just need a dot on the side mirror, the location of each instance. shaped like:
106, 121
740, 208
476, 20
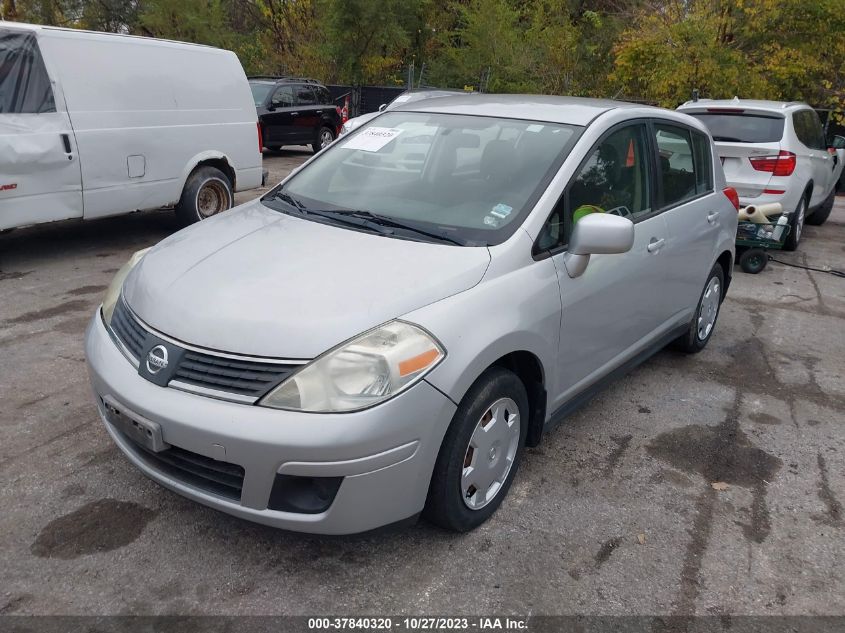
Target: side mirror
271, 107
382, 107
597, 234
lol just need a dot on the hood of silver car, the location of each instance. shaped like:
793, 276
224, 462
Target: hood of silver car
258, 282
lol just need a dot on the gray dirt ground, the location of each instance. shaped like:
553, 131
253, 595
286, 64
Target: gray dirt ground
762, 410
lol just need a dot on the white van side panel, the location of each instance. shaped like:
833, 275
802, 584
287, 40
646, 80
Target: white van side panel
142, 110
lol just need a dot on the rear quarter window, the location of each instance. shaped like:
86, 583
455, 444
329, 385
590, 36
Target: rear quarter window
735, 127
703, 163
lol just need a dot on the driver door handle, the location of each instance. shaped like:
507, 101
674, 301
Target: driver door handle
655, 245
712, 217
294, 113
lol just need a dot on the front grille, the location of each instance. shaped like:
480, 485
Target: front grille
211, 475
247, 378
126, 327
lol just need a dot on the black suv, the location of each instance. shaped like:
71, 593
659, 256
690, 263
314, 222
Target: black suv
294, 111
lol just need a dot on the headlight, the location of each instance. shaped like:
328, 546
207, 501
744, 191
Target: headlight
113, 292
364, 371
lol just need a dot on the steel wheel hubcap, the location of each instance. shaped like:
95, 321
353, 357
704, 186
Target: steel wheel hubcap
490, 454
325, 138
212, 198
709, 309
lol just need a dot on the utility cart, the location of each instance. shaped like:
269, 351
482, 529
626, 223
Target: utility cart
753, 239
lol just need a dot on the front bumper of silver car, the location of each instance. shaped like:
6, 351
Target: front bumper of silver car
320, 473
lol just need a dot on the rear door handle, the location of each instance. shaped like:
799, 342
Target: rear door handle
655, 245
712, 217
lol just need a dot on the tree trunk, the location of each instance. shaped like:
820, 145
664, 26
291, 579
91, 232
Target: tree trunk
9, 11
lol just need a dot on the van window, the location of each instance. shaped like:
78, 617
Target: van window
24, 84
677, 172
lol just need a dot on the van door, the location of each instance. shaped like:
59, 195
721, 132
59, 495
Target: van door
40, 177
616, 307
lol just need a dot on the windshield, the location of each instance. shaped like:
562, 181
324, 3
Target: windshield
260, 92
471, 178
741, 128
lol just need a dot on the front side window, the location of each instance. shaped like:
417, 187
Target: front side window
614, 179
677, 167
283, 97
24, 84
473, 178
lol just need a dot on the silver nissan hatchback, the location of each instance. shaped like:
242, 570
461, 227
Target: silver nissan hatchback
384, 332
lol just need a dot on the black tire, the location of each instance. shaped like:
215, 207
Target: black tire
753, 260
691, 342
796, 228
821, 214
325, 136
207, 192
445, 505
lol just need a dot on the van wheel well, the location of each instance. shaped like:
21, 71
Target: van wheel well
222, 164
726, 263
529, 370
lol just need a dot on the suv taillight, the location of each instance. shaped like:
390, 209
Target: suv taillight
260, 138
732, 195
781, 165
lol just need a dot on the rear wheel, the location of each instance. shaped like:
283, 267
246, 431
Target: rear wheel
702, 326
796, 225
324, 139
753, 260
480, 454
820, 215
207, 192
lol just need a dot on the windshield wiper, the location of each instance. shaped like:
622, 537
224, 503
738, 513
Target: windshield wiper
286, 198
379, 223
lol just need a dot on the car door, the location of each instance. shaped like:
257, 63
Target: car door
278, 127
40, 178
616, 306
809, 130
687, 201
306, 120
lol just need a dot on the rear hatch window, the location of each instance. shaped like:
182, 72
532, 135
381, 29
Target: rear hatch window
739, 127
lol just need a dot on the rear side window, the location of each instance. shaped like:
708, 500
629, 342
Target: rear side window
734, 127
808, 129
304, 96
677, 166
703, 163
24, 85
324, 97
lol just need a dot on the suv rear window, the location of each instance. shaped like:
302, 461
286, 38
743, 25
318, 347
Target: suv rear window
735, 127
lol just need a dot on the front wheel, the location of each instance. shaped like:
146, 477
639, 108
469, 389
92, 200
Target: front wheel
325, 138
702, 326
480, 454
207, 192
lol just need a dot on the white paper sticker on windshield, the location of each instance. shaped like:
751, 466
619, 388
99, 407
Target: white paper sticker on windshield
372, 139
401, 98
534, 128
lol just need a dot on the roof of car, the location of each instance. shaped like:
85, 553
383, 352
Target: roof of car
572, 110
754, 104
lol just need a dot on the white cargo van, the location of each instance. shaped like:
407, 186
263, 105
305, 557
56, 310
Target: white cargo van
99, 124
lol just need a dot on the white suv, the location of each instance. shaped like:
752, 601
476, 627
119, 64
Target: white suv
773, 151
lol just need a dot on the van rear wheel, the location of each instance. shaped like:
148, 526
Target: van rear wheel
207, 192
